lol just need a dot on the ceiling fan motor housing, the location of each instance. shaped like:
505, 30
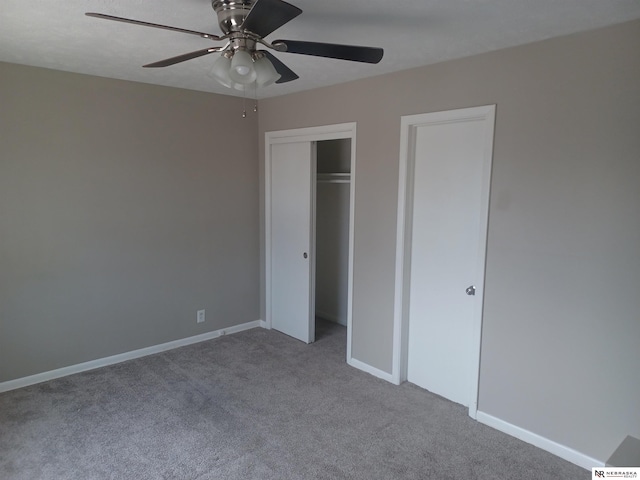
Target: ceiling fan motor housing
231, 13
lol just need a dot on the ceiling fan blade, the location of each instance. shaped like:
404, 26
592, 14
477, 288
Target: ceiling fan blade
331, 50
154, 25
286, 74
182, 58
267, 16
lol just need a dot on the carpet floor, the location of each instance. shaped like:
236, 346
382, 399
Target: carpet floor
253, 405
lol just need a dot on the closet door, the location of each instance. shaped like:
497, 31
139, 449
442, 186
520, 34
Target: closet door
292, 176
451, 160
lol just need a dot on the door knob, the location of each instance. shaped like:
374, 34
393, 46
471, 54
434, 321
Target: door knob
471, 290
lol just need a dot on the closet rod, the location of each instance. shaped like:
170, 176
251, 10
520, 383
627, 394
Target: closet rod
333, 177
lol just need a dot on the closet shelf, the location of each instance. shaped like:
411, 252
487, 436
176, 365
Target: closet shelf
334, 177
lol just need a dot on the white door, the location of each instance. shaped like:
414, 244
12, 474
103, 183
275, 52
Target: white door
292, 177
451, 164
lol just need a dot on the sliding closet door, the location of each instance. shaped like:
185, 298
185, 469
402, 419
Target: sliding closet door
292, 176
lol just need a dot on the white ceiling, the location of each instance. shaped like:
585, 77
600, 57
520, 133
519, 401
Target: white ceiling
57, 34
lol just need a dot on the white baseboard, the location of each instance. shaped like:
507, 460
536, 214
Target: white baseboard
122, 357
369, 369
550, 446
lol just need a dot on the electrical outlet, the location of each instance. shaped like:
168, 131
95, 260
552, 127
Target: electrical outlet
200, 316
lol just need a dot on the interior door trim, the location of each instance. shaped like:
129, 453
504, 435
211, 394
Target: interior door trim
310, 134
409, 125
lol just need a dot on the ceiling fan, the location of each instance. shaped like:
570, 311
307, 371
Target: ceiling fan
244, 24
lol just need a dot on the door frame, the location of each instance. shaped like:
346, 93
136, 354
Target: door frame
310, 134
409, 125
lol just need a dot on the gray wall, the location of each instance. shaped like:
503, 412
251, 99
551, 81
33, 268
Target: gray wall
560, 354
124, 208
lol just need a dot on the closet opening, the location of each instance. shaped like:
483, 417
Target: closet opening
332, 224
309, 232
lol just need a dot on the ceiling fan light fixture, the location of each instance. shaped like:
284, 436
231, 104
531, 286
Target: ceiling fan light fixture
242, 70
240, 87
220, 70
266, 73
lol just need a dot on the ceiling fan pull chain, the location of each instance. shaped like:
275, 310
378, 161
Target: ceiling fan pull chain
244, 103
255, 97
